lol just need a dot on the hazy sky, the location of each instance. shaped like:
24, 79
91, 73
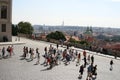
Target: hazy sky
72, 12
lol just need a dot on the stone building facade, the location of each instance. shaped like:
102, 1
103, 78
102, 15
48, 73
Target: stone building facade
5, 20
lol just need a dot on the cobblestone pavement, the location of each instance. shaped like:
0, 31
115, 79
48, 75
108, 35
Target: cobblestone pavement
15, 69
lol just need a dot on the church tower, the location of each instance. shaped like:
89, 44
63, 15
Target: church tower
5, 20
88, 34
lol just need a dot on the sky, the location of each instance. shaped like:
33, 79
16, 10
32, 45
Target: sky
99, 13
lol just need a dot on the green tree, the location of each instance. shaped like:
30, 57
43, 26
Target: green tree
83, 42
14, 30
25, 27
72, 40
56, 35
115, 38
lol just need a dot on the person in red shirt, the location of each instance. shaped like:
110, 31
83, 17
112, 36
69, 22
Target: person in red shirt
84, 53
10, 51
78, 59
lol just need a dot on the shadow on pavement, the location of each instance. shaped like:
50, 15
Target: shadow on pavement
46, 69
22, 58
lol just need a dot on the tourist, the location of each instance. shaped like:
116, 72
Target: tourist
92, 59
78, 59
74, 55
64, 54
81, 71
89, 72
111, 63
30, 52
57, 45
3, 52
84, 53
94, 71
85, 62
38, 56
46, 57
8, 50
88, 58
12, 49
45, 49
26, 51
51, 62
54, 51
23, 51
58, 56
67, 46
67, 59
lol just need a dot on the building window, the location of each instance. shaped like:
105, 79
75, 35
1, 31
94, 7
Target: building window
3, 12
3, 28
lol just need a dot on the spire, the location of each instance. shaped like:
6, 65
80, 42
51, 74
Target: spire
91, 29
63, 23
87, 29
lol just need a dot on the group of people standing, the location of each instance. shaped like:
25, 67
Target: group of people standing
51, 56
7, 52
54, 56
29, 54
91, 70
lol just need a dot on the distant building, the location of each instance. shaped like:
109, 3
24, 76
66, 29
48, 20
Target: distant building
5, 20
73, 37
37, 35
88, 34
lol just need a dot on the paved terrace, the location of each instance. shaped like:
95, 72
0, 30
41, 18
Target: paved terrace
15, 69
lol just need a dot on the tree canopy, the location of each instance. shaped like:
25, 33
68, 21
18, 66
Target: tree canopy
14, 30
25, 27
56, 35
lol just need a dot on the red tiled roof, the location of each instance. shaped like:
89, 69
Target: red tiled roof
76, 38
115, 46
90, 39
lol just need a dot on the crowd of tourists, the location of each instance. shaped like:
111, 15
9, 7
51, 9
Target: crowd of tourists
30, 55
91, 69
54, 56
6, 52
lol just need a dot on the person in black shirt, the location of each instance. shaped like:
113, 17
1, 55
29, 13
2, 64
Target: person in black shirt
92, 59
111, 63
81, 71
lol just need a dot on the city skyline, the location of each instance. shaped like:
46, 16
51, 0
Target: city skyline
102, 13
